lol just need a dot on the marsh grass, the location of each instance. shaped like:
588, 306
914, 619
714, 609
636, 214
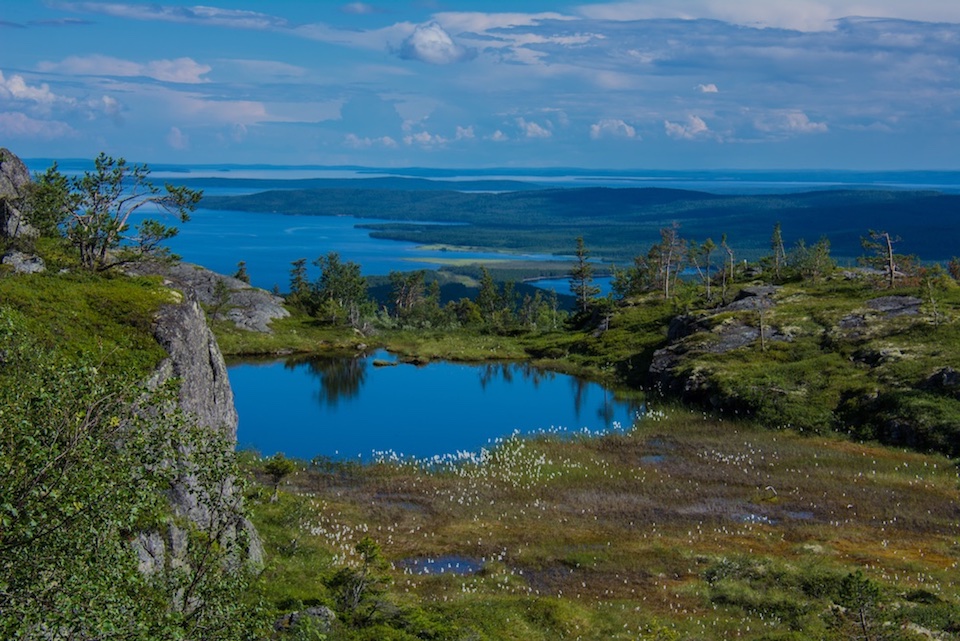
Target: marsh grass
729, 530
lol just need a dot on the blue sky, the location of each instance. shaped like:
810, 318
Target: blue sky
673, 84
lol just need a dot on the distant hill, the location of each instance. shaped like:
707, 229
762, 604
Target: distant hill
619, 223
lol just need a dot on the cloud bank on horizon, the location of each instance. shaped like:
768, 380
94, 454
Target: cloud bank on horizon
855, 84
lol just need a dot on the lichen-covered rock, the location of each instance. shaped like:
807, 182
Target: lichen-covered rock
22, 263
896, 305
752, 298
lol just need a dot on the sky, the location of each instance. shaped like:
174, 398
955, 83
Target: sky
656, 84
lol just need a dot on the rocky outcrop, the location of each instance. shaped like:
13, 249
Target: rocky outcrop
195, 359
205, 396
896, 305
249, 308
724, 329
14, 178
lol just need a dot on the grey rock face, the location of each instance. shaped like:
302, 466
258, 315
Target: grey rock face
23, 263
14, 178
204, 395
196, 360
249, 308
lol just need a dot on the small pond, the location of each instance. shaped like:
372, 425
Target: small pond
350, 408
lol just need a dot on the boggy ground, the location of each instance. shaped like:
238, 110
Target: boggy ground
689, 527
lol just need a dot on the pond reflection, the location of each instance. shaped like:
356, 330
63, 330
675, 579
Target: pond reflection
340, 377
345, 407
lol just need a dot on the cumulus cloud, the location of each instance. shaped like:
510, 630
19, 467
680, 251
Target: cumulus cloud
694, 127
16, 88
181, 70
708, 88
431, 43
499, 136
177, 139
464, 133
424, 139
19, 125
611, 128
533, 130
108, 106
356, 142
41, 100
789, 122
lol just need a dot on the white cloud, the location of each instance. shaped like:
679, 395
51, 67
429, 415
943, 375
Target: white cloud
177, 139
356, 142
430, 43
181, 70
499, 136
612, 128
16, 88
19, 125
788, 122
532, 129
708, 88
695, 127
802, 15
111, 106
424, 139
464, 133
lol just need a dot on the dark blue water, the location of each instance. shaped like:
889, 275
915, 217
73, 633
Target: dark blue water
269, 243
347, 408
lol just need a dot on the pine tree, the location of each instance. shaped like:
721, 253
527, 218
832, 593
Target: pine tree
581, 278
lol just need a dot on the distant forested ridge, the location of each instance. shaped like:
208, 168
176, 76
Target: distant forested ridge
617, 223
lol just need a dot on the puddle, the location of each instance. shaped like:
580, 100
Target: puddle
458, 565
653, 459
800, 516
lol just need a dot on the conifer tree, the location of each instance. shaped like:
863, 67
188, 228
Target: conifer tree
581, 278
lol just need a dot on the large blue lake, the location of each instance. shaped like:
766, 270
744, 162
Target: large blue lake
349, 408
268, 243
